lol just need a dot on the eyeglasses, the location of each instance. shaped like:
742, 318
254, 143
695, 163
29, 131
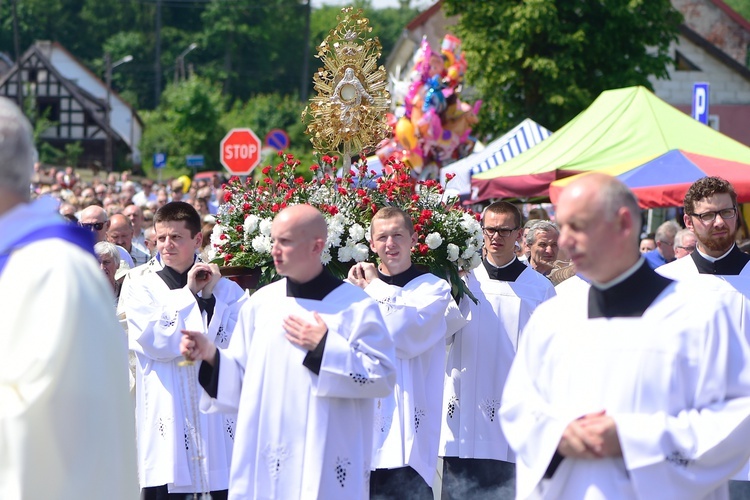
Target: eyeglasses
725, 213
92, 226
502, 231
687, 249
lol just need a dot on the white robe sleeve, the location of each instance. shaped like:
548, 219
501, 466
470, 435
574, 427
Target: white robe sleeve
528, 421
415, 323
693, 452
232, 362
155, 323
358, 359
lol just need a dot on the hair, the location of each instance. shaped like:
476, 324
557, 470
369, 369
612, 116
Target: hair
207, 228
107, 248
615, 195
17, 152
176, 211
530, 223
540, 226
667, 230
680, 236
538, 213
705, 188
391, 212
503, 207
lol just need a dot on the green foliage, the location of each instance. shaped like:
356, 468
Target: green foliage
742, 7
73, 151
185, 123
549, 59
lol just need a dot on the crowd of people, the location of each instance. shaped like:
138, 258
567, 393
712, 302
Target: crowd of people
587, 361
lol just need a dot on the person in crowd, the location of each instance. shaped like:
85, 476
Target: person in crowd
647, 243
109, 262
135, 214
711, 215
684, 243
180, 449
150, 240
477, 460
96, 220
664, 239
120, 233
644, 389
541, 240
308, 355
419, 313
146, 194
67, 426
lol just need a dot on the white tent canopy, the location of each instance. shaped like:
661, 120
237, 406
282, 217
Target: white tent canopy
523, 136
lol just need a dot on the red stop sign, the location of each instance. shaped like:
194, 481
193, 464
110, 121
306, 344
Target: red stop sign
240, 151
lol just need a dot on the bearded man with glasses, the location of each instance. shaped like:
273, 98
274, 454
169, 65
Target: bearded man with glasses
711, 214
477, 459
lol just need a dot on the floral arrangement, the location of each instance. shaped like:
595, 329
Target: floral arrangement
449, 237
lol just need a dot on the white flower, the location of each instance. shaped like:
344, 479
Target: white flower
325, 257
453, 252
265, 227
433, 240
476, 259
262, 243
251, 224
469, 252
211, 253
356, 232
368, 233
360, 252
216, 233
345, 254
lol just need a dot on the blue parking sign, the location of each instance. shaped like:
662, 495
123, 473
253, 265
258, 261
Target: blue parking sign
700, 102
160, 160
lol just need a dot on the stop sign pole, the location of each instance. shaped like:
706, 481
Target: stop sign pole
240, 151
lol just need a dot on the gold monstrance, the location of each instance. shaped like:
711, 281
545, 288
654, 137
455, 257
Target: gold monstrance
352, 99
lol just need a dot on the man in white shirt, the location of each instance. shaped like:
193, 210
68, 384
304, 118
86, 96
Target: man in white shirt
308, 355
419, 313
635, 386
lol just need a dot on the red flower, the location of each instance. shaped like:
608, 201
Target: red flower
227, 196
275, 207
245, 207
299, 180
266, 170
223, 236
314, 168
423, 248
449, 176
342, 190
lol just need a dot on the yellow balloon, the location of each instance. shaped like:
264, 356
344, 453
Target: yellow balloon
405, 133
185, 183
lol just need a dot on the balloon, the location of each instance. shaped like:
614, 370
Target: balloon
405, 133
185, 180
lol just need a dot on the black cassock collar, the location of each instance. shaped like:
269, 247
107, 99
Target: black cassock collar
315, 289
729, 265
509, 272
630, 298
172, 278
401, 279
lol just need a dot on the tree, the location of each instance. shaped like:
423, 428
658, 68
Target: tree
549, 59
185, 123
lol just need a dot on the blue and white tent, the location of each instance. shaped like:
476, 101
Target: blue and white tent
523, 136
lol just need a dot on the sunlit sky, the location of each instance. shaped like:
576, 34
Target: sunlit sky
376, 4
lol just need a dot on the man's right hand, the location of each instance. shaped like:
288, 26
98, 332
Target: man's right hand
196, 346
362, 274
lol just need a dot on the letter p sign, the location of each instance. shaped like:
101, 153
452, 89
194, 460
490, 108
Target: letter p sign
700, 102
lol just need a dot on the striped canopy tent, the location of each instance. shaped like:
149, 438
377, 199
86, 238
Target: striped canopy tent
627, 126
520, 138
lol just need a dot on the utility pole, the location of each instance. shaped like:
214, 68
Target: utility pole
17, 48
157, 65
108, 143
306, 56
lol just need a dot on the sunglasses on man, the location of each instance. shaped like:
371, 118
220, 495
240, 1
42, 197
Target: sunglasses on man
92, 226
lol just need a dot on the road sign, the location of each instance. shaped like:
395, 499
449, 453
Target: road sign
278, 139
240, 151
700, 102
160, 160
194, 161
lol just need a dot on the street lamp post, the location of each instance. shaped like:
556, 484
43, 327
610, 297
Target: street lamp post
109, 67
179, 65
